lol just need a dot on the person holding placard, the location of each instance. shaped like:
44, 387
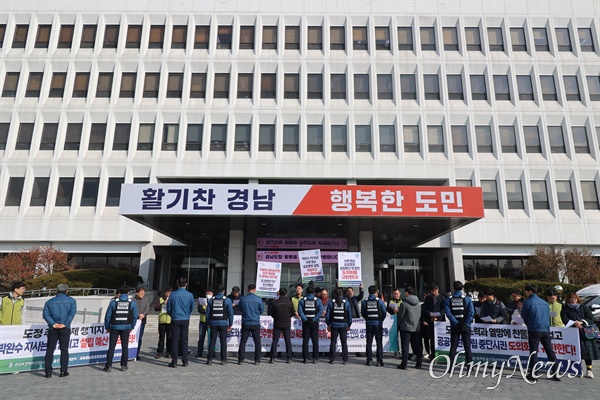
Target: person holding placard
339, 320
374, 312
555, 309
310, 309
219, 314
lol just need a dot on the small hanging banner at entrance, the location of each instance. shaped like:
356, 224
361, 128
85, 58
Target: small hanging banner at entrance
311, 265
349, 269
268, 277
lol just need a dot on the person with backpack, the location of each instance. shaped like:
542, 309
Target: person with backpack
339, 320
120, 319
374, 312
460, 312
219, 315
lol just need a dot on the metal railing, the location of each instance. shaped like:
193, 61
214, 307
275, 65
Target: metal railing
84, 312
72, 292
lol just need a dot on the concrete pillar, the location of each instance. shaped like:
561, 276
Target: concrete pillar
365, 243
147, 266
249, 265
457, 270
235, 260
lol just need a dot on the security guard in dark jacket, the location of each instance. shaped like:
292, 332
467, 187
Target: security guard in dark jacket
310, 309
219, 315
121, 317
339, 320
374, 312
460, 312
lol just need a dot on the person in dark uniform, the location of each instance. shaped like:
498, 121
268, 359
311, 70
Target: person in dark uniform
339, 320
120, 319
219, 315
310, 309
433, 304
374, 312
58, 313
460, 311
235, 297
282, 310
354, 301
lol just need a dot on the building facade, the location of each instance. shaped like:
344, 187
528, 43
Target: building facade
500, 95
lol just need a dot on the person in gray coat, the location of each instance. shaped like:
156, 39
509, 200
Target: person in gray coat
409, 314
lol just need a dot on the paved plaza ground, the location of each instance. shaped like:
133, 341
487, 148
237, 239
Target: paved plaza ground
151, 379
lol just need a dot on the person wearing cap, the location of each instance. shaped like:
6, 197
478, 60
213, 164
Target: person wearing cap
555, 309
119, 320
235, 298
58, 313
493, 308
12, 306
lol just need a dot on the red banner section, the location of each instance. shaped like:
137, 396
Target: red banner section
392, 201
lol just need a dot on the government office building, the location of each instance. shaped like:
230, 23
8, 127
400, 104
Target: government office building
176, 138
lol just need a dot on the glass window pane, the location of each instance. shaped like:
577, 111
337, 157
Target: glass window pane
64, 193
339, 138
363, 138
218, 137
460, 140
495, 39
361, 86
508, 139
194, 137
557, 140
266, 138
14, 192
563, 39
292, 37
473, 39
525, 87
224, 35
580, 139
338, 86
548, 87
337, 38
412, 143
589, 194
514, 195
517, 36
387, 138
532, 139
405, 38
564, 195
39, 191
170, 137
428, 39
455, 87
484, 139
540, 39
539, 195
146, 137
122, 133
385, 87
315, 38
291, 138
243, 133
501, 87
314, 136
490, 195
478, 88
201, 37
247, 37
435, 137
432, 87
408, 87
269, 39
450, 39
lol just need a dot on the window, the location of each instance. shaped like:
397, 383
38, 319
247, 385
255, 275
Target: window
194, 137
134, 37
201, 37
57, 85
580, 140
179, 37
80, 87
292, 38
291, 86
432, 87
508, 139
490, 195
89, 194
572, 88
412, 143
157, 37
218, 137
495, 39
97, 136
247, 37
64, 193
517, 37
14, 192
501, 87
73, 136
557, 140
532, 139
146, 137
65, 39
34, 84
175, 85
435, 137
540, 39
450, 39
269, 39
113, 192
473, 39
221, 86
315, 38
198, 86
141, 180
315, 86
455, 87
385, 88
337, 38
382, 38
525, 87
564, 194
408, 87
593, 84
2, 33
122, 132
24, 137
151, 85
170, 137
49, 136
111, 36
43, 37
291, 138
244, 90
586, 41
598, 134
463, 183
563, 39
105, 81
338, 86
539, 195
405, 38
20, 37
39, 191
387, 138
361, 86
478, 89
359, 38
11, 82
548, 87
590, 195
128, 85
4, 127
428, 39
268, 86
363, 138
314, 136
484, 139
460, 140
514, 195
339, 138
88, 37
266, 138
224, 34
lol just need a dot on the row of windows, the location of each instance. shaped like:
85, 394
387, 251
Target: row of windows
199, 37
557, 138
527, 87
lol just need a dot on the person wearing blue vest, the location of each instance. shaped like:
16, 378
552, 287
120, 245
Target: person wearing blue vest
310, 309
219, 315
179, 308
120, 319
460, 312
58, 313
339, 321
251, 307
374, 312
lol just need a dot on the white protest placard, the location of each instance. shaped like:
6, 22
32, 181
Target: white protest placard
268, 277
311, 265
349, 269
